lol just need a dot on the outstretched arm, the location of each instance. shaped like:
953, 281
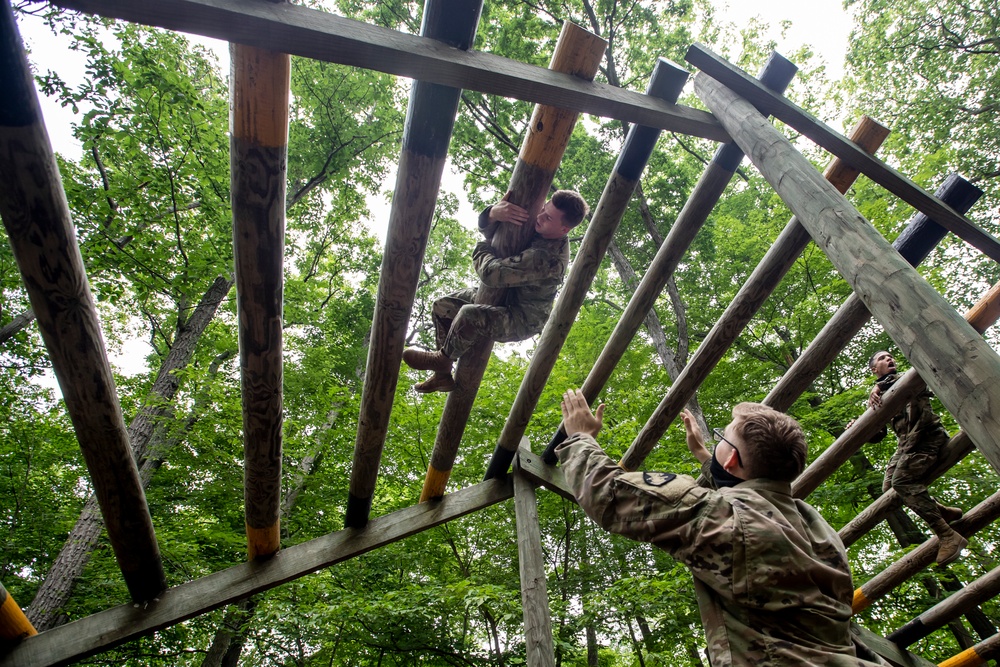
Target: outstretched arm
695, 439
502, 211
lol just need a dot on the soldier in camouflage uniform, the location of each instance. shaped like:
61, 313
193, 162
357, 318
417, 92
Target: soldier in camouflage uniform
532, 279
920, 439
771, 576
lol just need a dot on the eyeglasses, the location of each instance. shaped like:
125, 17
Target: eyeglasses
720, 436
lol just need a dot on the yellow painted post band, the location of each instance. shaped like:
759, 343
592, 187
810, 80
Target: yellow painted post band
263, 542
860, 602
967, 658
434, 483
14, 625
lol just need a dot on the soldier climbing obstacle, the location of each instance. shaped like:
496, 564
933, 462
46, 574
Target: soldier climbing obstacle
532, 277
921, 438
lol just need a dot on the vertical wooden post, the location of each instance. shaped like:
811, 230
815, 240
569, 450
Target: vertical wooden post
954, 360
14, 625
41, 233
531, 566
915, 242
258, 153
579, 53
765, 277
666, 83
776, 74
430, 120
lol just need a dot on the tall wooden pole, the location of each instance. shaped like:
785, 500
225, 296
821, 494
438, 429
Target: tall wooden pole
765, 277
776, 74
915, 242
667, 82
954, 360
258, 154
579, 53
41, 233
430, 120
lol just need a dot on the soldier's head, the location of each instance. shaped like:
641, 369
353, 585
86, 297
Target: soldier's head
767, 443
881, 363
563, 212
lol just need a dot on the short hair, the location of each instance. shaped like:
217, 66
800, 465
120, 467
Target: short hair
774, 443
573, 206
871, 359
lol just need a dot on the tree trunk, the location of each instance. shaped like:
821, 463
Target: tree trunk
52, 596
231, 636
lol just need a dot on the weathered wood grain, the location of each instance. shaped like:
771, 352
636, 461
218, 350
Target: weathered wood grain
258, 162
310, 33
98, 632
982, 589
430, 120
954, 360
43, 239
765, 277
885, 648
893, 181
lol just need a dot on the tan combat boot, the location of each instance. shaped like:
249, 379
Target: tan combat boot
422, 360
950, 545
951, 514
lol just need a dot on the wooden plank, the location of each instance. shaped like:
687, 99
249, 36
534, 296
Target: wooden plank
430, 119
310, 33
43, 239
98, 632
765, 277
666, 82
768, 102
577, 53
954, 360
981, 590
258, 157
894, 401
551, 477
917, 559
776, 73
539, 650
885, 648
916, 241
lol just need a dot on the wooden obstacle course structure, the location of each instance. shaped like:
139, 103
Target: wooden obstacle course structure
925, 327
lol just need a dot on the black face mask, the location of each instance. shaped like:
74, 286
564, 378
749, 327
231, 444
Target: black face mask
721, 476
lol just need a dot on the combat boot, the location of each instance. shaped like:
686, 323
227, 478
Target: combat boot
950, 546
438, 382
422, 360
951, 514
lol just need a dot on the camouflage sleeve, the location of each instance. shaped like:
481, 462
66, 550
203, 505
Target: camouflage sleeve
670, 511
487, 226
531, 267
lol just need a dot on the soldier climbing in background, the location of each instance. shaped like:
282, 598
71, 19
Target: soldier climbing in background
921, 439
532, 277
771, 575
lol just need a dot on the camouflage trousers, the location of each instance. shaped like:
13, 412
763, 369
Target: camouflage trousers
907, 472
459, 323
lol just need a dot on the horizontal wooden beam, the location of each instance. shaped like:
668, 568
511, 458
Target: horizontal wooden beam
99, 632
781, 108
310, 33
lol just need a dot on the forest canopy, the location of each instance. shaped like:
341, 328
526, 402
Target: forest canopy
149, 193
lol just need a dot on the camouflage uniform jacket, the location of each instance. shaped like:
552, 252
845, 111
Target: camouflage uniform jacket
914, 425
533, 276
771, 575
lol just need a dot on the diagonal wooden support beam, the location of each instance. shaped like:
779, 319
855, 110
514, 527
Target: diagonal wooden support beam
768, 102
954, 360
76, 640
430, 120
914, 243
896, 656
42, 236
777, 73
310, 33
980, 654
667, 82
765, 277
